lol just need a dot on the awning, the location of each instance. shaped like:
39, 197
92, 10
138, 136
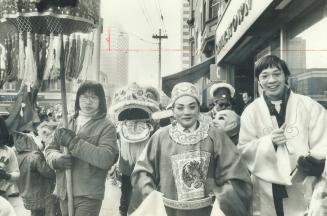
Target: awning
191, 74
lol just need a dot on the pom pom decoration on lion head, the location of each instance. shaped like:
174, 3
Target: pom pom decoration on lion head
134, 102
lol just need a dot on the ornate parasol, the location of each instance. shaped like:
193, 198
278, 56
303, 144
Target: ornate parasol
56, 17
44, 16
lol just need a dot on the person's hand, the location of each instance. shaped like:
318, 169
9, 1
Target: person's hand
278, 137
64, 136
63, 162
147, 189
4, 175
310, 166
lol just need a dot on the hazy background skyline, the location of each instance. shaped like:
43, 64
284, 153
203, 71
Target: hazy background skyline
140, 19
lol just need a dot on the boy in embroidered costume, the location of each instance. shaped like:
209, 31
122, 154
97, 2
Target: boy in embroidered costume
191, 161
282, 131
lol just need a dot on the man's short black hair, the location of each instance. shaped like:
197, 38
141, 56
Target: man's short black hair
268, 62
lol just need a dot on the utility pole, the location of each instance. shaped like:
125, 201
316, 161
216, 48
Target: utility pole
159, 37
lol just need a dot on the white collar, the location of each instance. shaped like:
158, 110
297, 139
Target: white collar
178, 135
277, 105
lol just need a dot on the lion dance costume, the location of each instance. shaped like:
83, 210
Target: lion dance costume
131, 112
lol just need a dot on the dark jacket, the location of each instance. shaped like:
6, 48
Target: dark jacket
37, 179
93, 155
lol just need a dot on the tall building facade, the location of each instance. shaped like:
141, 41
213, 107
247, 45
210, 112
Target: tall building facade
114, 57
185, 34
202, 23
263, 29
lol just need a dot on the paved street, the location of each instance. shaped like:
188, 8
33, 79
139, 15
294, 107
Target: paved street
110, 203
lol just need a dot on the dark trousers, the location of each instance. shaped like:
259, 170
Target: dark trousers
38, 212
83, 206
279, 193
126, 192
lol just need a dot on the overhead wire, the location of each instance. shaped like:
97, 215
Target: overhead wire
132, 34
148, 20
157, 2
142, 39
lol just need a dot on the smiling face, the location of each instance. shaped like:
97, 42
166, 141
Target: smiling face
89, 102
273, 82
186, 111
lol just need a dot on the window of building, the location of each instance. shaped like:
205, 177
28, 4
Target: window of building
222, 4
213, 8
204, 14
306, 54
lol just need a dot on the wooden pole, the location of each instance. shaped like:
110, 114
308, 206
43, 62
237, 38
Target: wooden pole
69, 182
159, 37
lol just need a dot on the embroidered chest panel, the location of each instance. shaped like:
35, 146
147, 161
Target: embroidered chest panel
190, 173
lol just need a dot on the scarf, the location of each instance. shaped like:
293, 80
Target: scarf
279, 191
82, 119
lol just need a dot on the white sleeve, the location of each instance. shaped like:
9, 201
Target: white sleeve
258, 152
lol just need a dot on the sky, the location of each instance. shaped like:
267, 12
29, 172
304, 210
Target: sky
141, 19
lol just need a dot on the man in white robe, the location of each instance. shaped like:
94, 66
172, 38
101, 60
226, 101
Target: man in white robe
282, 133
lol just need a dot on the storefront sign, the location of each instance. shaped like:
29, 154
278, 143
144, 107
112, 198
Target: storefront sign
236, 20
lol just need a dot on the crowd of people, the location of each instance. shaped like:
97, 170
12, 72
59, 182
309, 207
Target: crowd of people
267, 160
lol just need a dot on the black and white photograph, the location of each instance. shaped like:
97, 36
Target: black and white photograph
163, 108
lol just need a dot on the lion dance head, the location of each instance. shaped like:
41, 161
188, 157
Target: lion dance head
131, 111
